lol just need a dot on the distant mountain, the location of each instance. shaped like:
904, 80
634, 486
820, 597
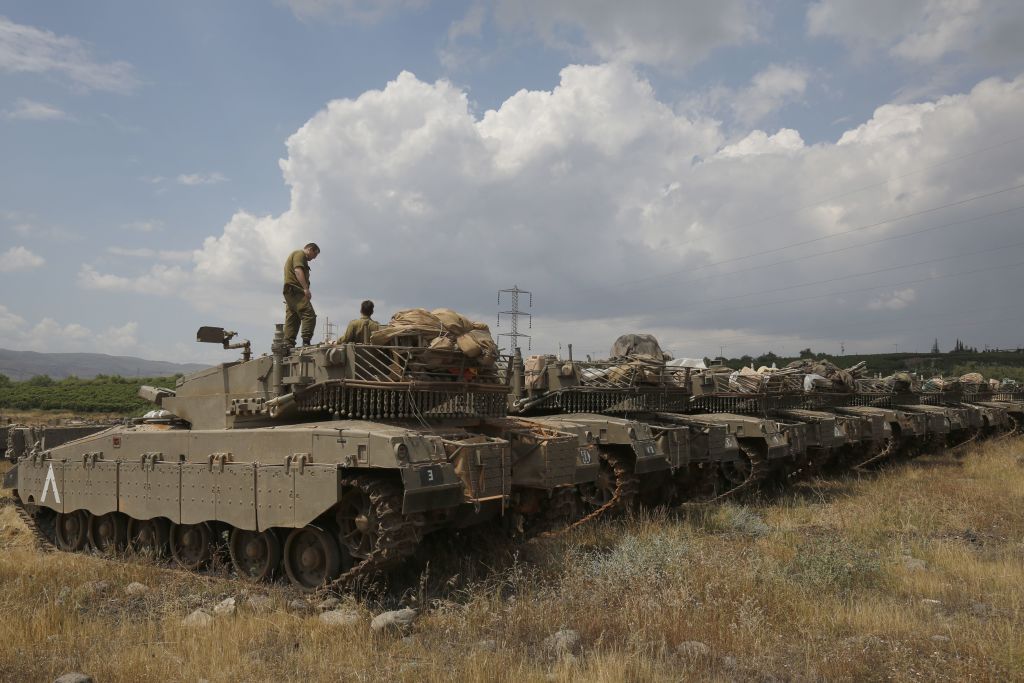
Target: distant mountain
21, 365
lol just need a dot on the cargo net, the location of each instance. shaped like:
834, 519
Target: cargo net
752, 392
881, 393
637, 384
389, 382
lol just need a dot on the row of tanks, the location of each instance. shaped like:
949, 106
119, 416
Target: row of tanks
329, 464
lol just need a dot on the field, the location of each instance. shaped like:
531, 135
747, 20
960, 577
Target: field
102, 394
912, 573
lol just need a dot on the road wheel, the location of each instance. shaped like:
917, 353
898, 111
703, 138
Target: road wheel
311, 558
255, 555
108, 533
72, 531
191, 545
148, 536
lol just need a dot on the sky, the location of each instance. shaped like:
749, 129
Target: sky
732, 177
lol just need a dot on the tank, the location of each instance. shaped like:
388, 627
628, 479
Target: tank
324, 463
608, 405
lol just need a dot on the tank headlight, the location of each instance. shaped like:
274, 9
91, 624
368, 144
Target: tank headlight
402, 452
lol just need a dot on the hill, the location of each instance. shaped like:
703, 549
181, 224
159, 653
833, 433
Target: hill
22, 365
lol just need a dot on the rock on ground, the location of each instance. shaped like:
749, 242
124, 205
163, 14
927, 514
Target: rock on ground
398, 619
136, 588
198, 618
340, 617
225, 608
328, 604
563, 642
74, 677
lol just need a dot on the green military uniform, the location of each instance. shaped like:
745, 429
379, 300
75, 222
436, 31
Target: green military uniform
297, 309
359, 330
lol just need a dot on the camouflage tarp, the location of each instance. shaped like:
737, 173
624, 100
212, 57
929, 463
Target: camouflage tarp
638, 345
445, 329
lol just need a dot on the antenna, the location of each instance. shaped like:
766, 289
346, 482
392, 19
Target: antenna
515, 313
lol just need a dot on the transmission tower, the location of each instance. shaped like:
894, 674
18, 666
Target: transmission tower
515, 313
330, 331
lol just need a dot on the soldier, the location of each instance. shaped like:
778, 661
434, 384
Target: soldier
297, 297
360, 329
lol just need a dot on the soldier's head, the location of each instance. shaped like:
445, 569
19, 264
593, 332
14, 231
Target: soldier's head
312, 251
366, 308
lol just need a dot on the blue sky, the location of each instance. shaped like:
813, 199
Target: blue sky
629, 164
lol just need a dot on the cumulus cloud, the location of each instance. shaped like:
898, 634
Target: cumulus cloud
29, 110
470, 26
923, 31
27, 49
616, 209
147, 253
49, 335
785, 141
771, 89
893, 301
19, 258
665, 33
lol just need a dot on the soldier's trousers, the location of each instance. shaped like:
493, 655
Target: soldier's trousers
298, 311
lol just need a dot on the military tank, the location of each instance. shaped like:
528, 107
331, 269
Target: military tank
325, 463
610, 405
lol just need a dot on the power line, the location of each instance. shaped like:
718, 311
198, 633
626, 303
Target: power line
853, 275
849, 291
846, 248
822, 238
737, 339
998, 145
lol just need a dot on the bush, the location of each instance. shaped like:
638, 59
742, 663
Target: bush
830, 564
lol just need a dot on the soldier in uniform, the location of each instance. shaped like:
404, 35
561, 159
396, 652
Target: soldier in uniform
360, 329
297, 297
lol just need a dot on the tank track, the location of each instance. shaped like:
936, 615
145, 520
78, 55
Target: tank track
888, 448
627, 488
397, 537
1014, 429
758, 472
42, 538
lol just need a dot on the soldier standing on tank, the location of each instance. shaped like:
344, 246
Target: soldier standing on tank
360, 329
297, 297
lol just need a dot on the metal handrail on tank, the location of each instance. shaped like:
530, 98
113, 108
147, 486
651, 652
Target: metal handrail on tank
761, 393
614, 387
399, 382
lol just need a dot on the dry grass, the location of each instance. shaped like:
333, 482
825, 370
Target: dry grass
822, 584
